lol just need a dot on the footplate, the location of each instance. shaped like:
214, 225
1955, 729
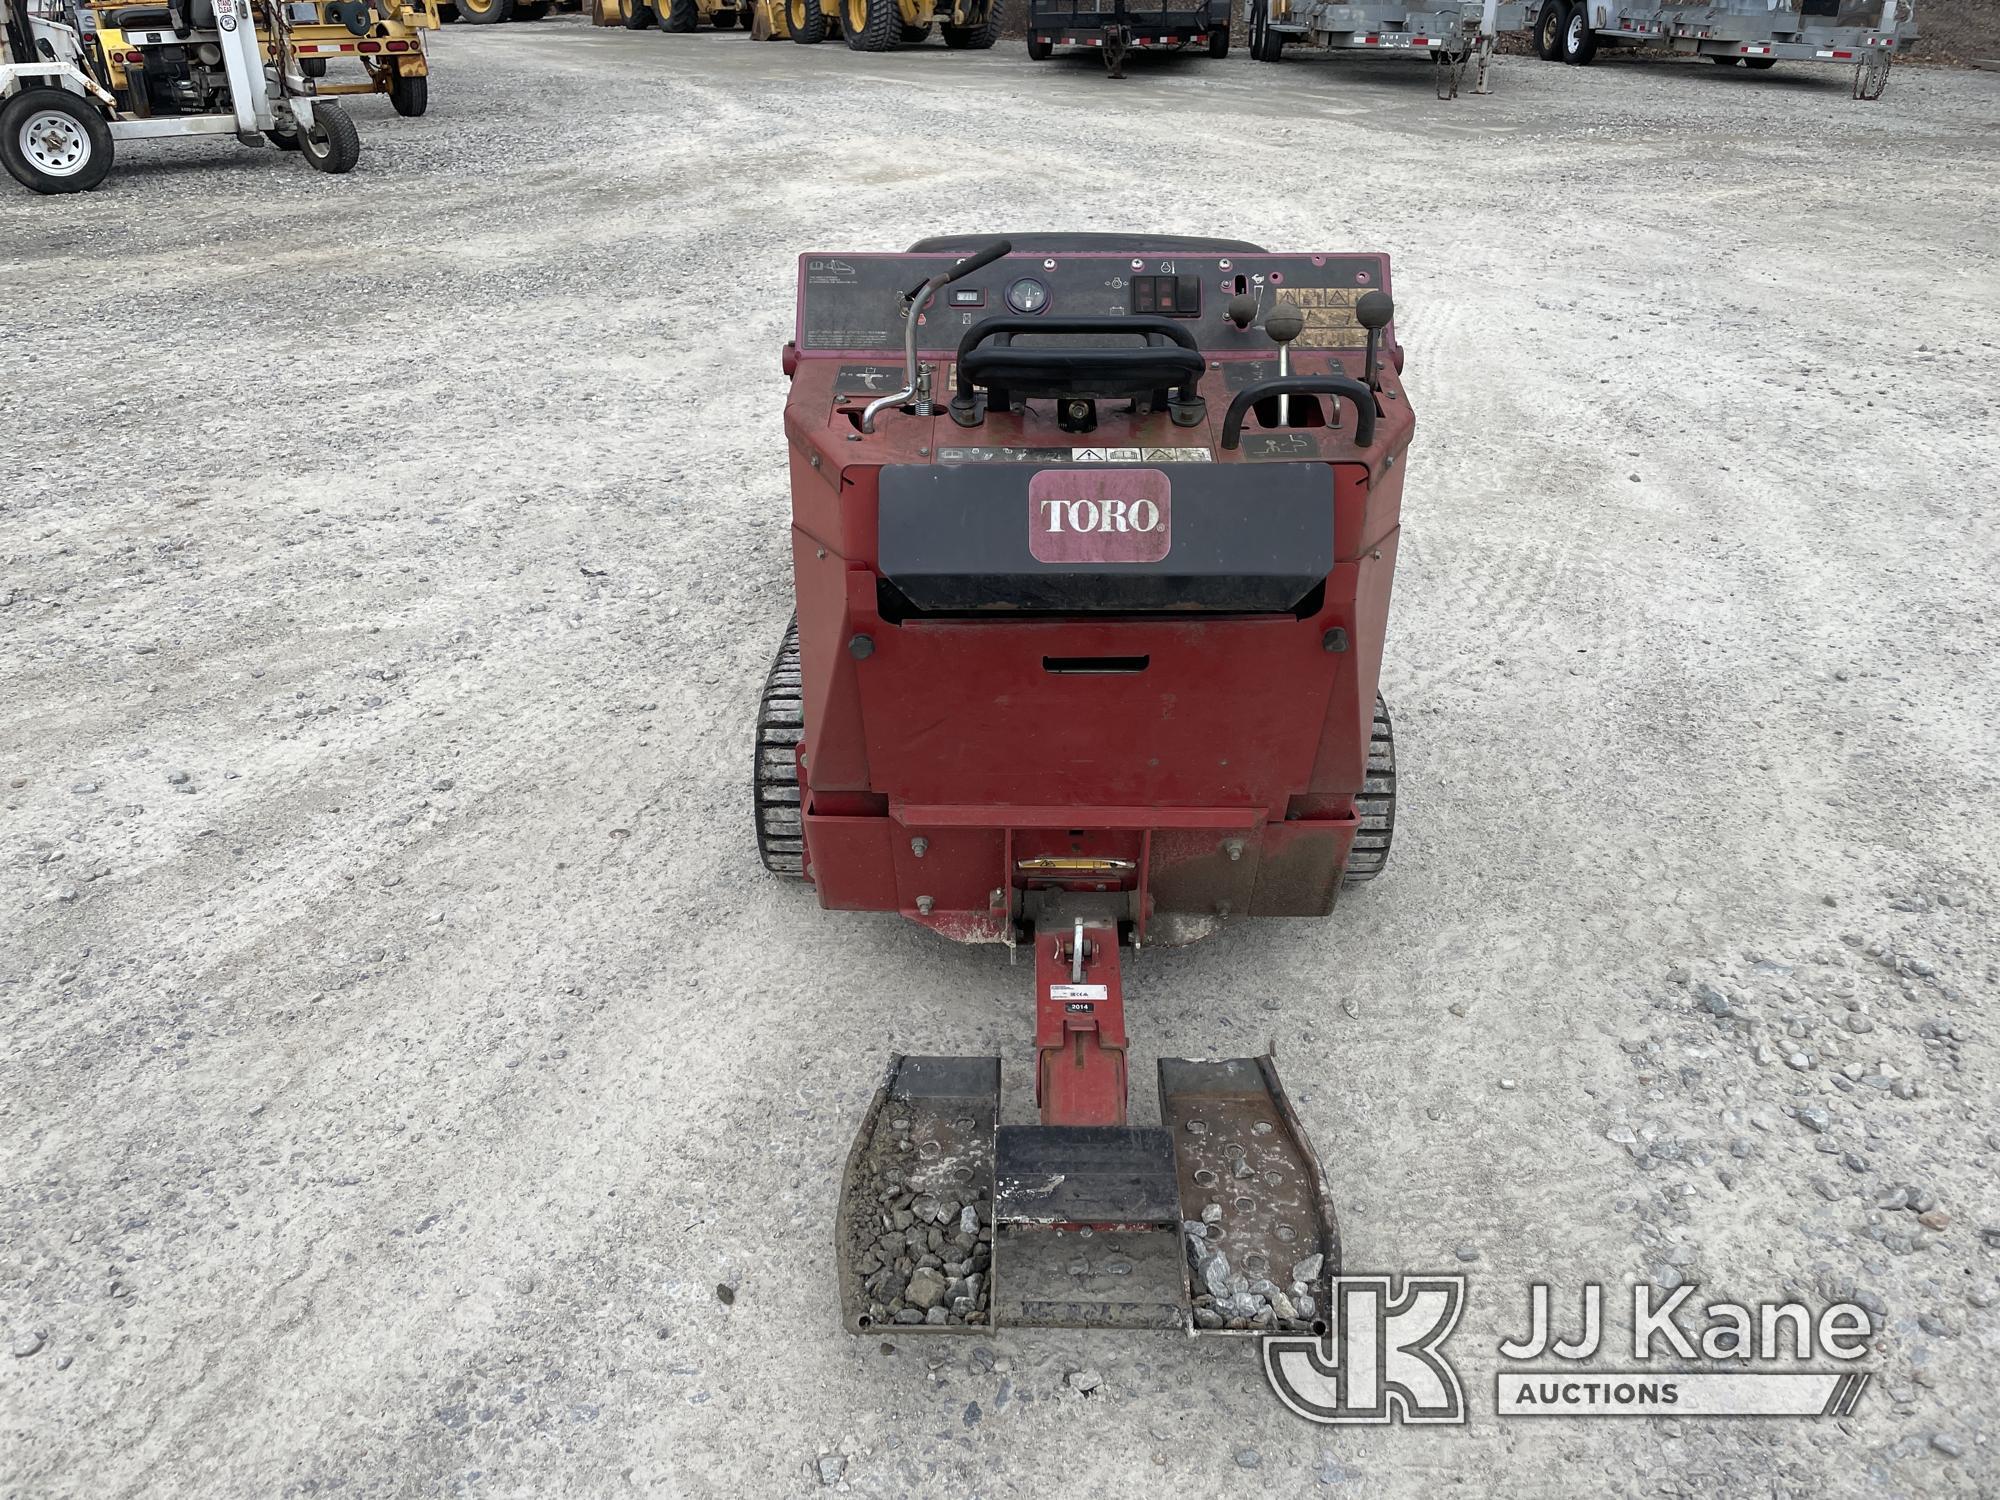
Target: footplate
1086, 1228
1215, 1220
1259, 1235
914, 1239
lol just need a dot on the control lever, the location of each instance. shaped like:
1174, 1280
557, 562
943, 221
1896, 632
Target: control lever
915, 300
1284, 324
1242, 309
1373, 310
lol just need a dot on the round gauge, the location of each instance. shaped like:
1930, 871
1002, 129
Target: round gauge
1027, 295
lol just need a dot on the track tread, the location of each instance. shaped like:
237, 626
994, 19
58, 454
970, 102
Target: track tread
1376, 803
774, 789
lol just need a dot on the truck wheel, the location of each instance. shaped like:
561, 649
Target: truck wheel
1549, 30
774, 790
485, 12
1376, 802
332, 145
1039, 50
871, 25
806, 21
638, 15
1218, 42
682, 15
53, 141
409, 94
1266, 45
1579, 41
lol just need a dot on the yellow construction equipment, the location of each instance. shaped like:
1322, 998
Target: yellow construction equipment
671, 15
385, 36
881, 25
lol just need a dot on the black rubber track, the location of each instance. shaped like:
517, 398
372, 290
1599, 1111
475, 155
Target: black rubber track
1376, 803
781, 724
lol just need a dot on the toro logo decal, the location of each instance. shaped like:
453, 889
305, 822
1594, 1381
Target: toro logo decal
1100, 516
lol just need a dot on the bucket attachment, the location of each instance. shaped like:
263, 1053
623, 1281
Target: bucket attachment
914, 1240
1214, 1220
1262, 1244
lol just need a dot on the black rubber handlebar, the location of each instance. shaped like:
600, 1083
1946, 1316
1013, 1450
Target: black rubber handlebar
988, 328
978, 260
1303, 385
1177, 368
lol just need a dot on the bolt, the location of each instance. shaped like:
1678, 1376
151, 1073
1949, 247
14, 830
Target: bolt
920, 846
924, 905
1335, 639
1234, 849
860, 647
814, 460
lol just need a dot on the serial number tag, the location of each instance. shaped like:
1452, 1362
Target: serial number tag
1079, 992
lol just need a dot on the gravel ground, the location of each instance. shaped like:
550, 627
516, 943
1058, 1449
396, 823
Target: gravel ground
402, 1043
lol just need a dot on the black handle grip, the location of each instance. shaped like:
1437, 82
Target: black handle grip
1129, 327
1303, 385
980, 259
973, 262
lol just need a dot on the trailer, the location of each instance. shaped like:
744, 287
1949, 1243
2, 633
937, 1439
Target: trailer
77, 76
1756, 34
1113, 28
1454, 32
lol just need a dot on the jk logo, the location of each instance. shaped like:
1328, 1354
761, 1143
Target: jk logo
1380, 1362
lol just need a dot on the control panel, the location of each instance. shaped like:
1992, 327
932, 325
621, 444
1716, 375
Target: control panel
852, 304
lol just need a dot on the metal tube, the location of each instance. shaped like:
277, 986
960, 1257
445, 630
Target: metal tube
917, 305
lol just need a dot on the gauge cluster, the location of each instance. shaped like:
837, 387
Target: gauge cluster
852, 304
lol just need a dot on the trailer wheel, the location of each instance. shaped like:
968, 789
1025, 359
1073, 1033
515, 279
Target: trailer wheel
806, 21
1218, 42
1039, 50
1376, 802
1549, 30
1759, 64
332, 145
638, 15
774, 787
53, 141
1579, 41
484, 12
409, 94
682, 15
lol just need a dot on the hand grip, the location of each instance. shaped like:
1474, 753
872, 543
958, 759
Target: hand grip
980, 259
1303, 385
985, 256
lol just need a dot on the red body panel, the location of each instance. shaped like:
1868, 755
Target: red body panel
1222, 775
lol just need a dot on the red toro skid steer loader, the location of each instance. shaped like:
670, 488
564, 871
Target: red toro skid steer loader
1091, 586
